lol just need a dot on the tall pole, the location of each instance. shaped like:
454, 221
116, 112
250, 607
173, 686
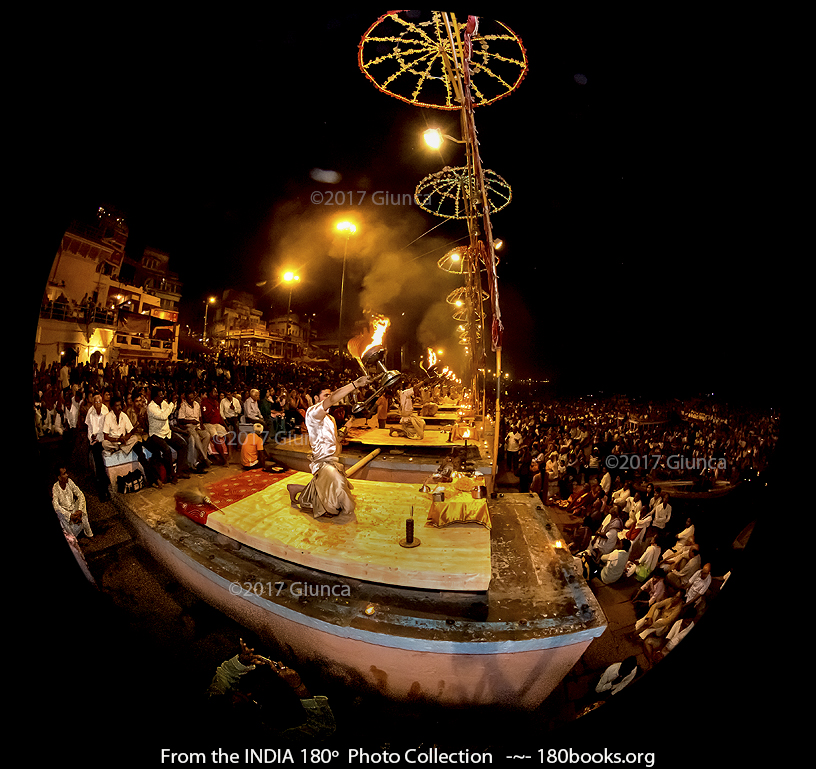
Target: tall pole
288, 316
460, 74
342, 289
207, 303
349, 228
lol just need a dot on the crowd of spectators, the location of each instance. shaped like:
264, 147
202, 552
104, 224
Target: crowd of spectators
578, 455
659, 442
188, 414
570, 452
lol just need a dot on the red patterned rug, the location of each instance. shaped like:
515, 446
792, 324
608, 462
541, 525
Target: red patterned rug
229, 491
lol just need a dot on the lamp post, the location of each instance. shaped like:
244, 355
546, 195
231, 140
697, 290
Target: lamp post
291, 279
349, 229
207, 303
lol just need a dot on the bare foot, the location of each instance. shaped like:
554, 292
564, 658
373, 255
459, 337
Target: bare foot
294, 489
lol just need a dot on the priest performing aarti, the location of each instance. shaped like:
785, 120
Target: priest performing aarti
411, 425
329, 492
428, 397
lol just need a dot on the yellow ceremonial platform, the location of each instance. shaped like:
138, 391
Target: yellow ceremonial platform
439, 439
365, 544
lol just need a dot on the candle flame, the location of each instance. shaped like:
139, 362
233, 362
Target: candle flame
466, 434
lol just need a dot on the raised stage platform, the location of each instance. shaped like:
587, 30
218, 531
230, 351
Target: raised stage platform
364, 544
434, 439
511, 644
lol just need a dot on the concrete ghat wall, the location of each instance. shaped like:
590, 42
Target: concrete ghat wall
453, 674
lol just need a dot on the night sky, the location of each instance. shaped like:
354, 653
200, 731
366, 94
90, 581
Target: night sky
628, 265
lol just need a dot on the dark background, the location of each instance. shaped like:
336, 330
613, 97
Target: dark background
632, 262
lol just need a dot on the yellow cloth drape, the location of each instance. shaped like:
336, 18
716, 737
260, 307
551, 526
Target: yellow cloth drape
459, 507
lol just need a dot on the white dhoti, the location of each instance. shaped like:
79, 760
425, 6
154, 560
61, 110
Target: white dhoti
125, 448
329, 491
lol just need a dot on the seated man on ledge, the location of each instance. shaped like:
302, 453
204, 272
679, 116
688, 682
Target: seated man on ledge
121, 436
328, 493
69, 503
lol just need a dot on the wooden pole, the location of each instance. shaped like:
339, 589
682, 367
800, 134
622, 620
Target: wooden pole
364, 461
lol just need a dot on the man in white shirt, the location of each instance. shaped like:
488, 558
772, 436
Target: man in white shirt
622, 496
95, 421
121, 436
252, 411
230, 408
680, 578
633, 507
512, 445
69, 503
161, 438
72, 408
606, 482
329, 491
118, 432
198, 439
65, 376
552, 474
662, 512
698, 584
614, 563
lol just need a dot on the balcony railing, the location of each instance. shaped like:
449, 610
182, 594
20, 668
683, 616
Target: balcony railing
134, 342
78, 314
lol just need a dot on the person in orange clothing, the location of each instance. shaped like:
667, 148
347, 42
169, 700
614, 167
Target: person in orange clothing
253, 455
382, 411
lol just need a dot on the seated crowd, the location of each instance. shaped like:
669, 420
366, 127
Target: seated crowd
173, 419
658, 442
622, 521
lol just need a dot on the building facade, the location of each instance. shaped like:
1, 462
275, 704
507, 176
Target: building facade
239, 328
100, 305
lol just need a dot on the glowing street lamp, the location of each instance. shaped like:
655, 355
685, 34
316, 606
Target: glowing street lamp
207, 303
349, 228
434, 138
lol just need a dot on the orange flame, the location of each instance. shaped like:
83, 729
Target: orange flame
362, 343
466, 434
431, 358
